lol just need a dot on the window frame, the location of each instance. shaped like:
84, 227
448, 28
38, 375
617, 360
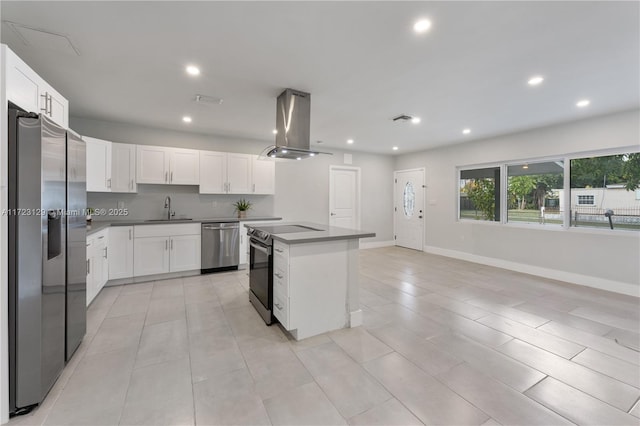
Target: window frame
459, 171
534, 161
567, 194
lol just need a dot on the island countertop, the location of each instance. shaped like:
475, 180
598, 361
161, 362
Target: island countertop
323, 233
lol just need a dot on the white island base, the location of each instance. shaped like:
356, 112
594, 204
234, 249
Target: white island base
315, 286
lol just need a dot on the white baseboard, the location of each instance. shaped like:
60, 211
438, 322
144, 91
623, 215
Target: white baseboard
570, 277
375, 244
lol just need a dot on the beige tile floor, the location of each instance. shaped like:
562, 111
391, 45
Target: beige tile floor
444, 342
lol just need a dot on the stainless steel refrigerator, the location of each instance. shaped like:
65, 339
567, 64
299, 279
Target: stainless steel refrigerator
47, 254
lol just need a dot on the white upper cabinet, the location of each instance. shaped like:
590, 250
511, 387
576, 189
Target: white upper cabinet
213, 172
239, 173
162, 165
225, 173
29, 91
98, 164
123, 167
184, 166
152, 164
264, 175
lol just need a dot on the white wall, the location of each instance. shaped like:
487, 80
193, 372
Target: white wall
302, 190
599, 258
302, 187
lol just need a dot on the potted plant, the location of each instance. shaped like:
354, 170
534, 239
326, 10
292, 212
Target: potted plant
242, 206
90, 211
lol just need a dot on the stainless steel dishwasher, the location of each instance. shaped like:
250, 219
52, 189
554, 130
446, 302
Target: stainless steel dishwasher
220, 246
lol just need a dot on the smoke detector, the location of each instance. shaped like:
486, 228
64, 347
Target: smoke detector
207, 100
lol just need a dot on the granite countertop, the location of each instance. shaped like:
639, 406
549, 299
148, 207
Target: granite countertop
323, 233
97, 226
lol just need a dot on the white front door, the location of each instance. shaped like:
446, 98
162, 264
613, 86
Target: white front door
409, 208
344, 197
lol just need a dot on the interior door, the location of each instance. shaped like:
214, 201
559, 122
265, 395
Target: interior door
344, 202
409, 208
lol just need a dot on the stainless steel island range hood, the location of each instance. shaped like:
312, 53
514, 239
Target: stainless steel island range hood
293, 121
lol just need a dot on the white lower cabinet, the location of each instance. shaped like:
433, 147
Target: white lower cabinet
120, 252
97, 263
185, 253
310, 285
150, 256
160, 249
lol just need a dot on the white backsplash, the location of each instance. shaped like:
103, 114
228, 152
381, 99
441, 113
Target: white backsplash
148, 203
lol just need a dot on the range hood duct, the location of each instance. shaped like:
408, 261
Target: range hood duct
293, 124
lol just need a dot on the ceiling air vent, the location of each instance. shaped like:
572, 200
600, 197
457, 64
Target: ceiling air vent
207, 100
402, 117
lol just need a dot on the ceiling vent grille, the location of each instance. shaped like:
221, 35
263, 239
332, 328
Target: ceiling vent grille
207, 100
402, 117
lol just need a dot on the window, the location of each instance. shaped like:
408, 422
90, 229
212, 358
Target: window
534, 192
480, 194
603, 191
586, 200
409, 199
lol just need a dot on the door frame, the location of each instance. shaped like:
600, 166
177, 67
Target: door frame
424, 196
358, 199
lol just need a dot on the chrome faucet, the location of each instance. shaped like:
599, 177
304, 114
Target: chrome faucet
167, 205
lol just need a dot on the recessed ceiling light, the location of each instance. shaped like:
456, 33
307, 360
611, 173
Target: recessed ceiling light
415, 120
313, 154
284, 151
583, 103
193, 70
299, 158
422, 26
273, 156
534, 81
187, 119
466, 131
395, 148
526, 166
274, 131
349, 141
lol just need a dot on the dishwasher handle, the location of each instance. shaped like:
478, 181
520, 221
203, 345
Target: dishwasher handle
220, 227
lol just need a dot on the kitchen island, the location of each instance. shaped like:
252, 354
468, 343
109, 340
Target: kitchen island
315, 277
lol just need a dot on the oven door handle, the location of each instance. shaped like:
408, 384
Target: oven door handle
265, 250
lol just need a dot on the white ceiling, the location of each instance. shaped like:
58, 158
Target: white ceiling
361, 61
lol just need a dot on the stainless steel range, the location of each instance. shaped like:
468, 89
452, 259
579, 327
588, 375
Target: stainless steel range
261, 266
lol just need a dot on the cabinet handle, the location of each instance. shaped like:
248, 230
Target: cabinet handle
229, 186
171, 179
50, 106
166, 245
129, 234
132, 184
46, 103
172, 244
166, 176
106, 253
254, 187
278, 306
278, 276
279, 250
88, 266
109, 183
